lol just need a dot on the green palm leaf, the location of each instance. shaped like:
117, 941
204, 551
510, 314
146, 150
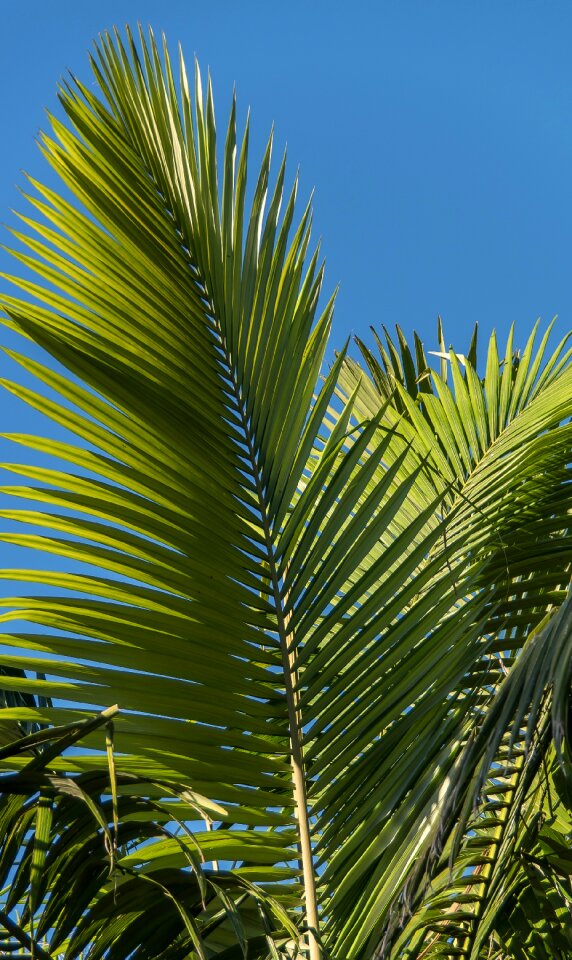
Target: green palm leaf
514, 559
182, 497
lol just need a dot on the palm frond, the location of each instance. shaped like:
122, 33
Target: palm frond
488, 581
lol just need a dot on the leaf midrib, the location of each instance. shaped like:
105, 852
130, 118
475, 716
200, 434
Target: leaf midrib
299, 790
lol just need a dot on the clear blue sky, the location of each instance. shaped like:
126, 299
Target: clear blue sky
438, 136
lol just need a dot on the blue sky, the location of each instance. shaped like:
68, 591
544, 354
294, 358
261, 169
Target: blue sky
438, 136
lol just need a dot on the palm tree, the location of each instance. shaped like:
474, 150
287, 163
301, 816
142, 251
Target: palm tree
337, 608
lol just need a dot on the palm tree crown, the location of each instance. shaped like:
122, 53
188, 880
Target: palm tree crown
333, 611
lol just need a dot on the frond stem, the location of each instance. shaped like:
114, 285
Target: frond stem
285, 636
297, 755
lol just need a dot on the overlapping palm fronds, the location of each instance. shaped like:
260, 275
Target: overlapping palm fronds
504, 697
101, 865
334, 608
